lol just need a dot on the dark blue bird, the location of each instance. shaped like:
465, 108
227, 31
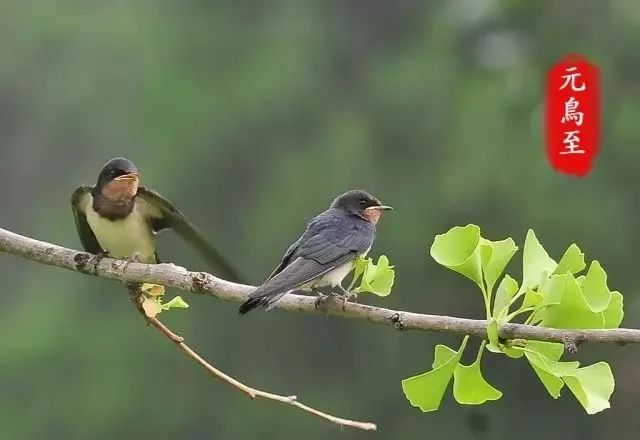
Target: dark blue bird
325, 253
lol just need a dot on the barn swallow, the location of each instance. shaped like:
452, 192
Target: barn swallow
325, 253
120, 218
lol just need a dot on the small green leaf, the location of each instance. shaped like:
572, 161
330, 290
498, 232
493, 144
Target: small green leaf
536, 263
470, 388
552, 289
377, 278
573, 311
175, 303
496, 260
152, 289
572, 261
151, 306
426, 390
532, 299
492, 334
550, 350
505, 292
592, 386
359, 266
459, 249
594, 288
551, 382
512, 352
613, 314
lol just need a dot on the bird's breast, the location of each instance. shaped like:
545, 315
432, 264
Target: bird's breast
125, 237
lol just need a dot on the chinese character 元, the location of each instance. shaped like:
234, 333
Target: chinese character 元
571, 79
571, 143
570, 113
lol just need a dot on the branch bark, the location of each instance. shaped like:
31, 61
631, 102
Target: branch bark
206, 284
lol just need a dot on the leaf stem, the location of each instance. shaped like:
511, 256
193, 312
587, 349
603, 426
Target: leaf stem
519, 312
516, 297
487, 300
481, 351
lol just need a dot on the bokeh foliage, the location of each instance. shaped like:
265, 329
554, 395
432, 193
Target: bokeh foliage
251, 116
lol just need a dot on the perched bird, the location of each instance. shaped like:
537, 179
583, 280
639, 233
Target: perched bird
325, 253
120, 218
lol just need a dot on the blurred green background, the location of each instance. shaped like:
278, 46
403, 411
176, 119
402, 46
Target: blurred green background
251, 116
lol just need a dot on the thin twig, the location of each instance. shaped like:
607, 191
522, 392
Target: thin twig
249, 391
206, 284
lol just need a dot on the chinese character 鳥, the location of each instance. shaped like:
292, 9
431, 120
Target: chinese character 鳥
570, 113
571, 79
571, 143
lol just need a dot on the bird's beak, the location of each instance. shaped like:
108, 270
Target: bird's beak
379, 208
128, 177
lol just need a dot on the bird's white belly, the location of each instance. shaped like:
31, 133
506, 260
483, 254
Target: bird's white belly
124, 238
335, 276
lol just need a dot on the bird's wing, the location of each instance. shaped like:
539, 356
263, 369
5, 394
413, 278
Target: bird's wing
80, 199
298, 273
163, 215
286, 259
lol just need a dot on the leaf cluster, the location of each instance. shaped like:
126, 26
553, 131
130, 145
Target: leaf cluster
550, 294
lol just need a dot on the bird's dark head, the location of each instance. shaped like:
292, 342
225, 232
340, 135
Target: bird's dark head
362, 204
118, 179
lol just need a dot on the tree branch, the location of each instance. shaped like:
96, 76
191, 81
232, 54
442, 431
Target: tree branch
206, 284
134, 295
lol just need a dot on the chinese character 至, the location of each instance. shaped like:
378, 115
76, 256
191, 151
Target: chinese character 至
570, 113
571, 79
571, 143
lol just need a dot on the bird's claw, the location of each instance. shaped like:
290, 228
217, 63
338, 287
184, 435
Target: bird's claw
320, 301
347, 296
135, 258
324, 293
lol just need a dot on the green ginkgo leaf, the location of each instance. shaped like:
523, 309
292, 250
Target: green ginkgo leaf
551, 382
493, 336
495, 260
359, 266
614, 312
426, 390
459, 249
592, 386
572, 261
175, 303
505, 292
552, 289
470, 387
594, 288
532, 299
572, 311
377, 278
550, 350
536, 263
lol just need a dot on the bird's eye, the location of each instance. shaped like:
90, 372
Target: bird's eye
363, 202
